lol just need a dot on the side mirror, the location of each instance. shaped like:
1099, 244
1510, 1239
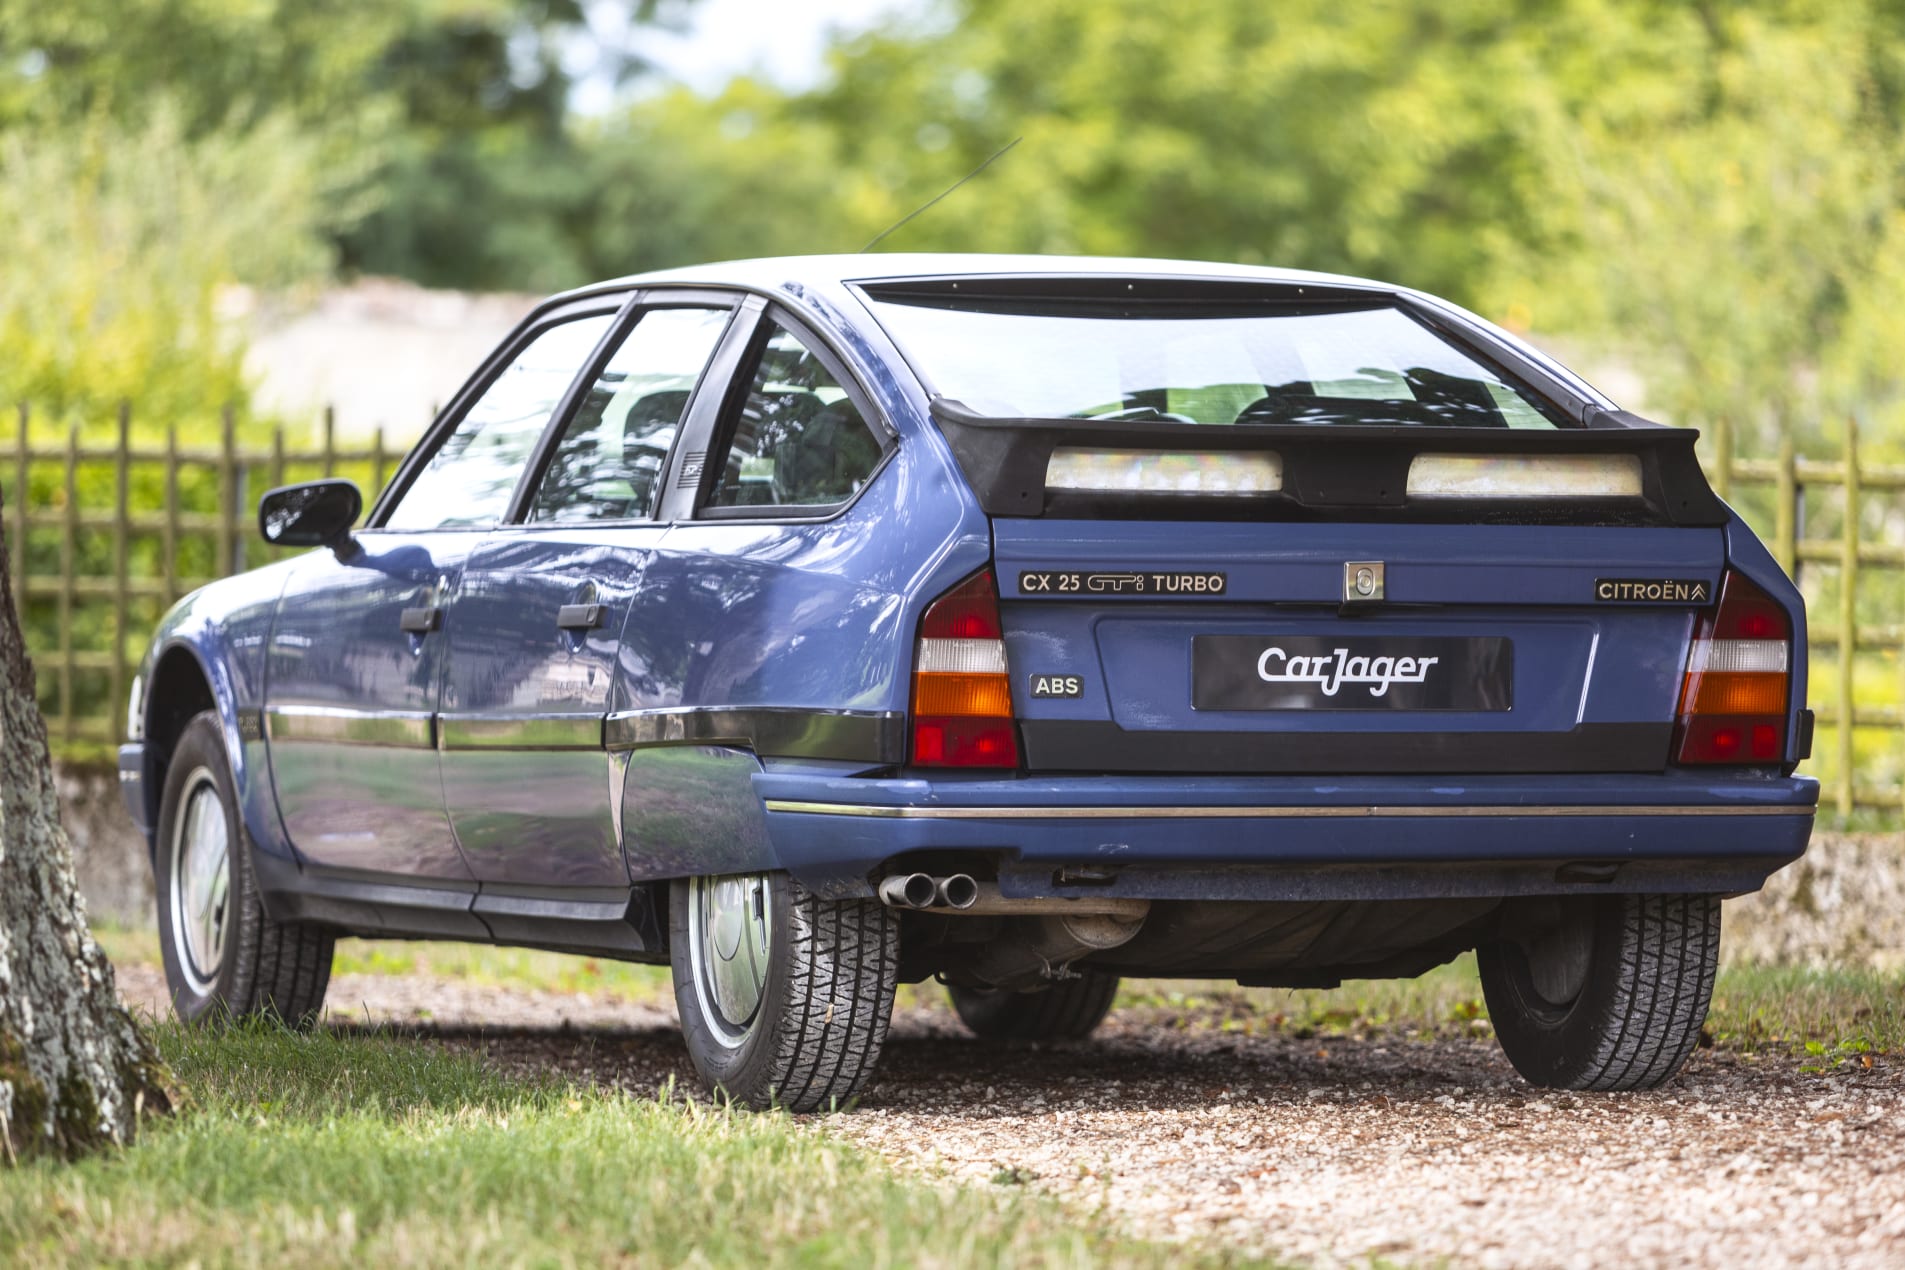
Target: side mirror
314, 514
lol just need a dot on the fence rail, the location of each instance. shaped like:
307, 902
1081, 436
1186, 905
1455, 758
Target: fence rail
105, 535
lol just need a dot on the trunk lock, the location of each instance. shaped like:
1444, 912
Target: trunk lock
1362, 581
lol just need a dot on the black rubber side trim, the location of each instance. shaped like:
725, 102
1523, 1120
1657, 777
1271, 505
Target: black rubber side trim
612, 922
877, 738
368, 904
1092, 746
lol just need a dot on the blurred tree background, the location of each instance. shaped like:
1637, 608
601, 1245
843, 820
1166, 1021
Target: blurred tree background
1707, 192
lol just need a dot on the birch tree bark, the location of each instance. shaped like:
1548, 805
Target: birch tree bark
75, 1071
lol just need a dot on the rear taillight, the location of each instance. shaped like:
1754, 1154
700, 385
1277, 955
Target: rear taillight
1739, 675
962, 695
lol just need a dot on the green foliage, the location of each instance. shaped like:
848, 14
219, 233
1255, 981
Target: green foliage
120, 239
1708, 193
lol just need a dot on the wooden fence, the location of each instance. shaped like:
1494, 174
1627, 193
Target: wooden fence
1797, 486
108, 535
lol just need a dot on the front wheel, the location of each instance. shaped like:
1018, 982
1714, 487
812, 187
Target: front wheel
784, 997
1603, 993
224, 955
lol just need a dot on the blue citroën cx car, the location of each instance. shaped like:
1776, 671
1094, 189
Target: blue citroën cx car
816, 625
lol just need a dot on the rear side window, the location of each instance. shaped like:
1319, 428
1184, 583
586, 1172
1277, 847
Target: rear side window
468, 481
1208, 365
798, 440
608, 464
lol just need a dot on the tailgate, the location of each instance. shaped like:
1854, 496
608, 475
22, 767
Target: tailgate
1188, 646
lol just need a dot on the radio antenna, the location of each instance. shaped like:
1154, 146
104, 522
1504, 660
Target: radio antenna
996, 156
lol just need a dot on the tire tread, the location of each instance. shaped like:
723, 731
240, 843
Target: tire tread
1658, 984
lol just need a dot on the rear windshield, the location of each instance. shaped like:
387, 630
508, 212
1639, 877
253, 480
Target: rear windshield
1374, 365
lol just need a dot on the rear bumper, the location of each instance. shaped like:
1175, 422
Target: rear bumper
1301, 838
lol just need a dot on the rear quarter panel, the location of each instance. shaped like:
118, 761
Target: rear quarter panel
789, 615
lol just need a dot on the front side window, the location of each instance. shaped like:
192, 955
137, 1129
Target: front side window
468, 481
799, 441
1207, 365
608, 464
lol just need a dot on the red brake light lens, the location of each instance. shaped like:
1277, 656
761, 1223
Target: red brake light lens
1738, 682
968, 611
962, 692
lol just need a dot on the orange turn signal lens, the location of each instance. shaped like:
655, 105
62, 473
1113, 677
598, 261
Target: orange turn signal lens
955, 694
1735, 693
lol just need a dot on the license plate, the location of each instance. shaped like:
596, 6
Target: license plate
1310, 672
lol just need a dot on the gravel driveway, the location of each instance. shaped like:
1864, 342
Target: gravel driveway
1323, 1151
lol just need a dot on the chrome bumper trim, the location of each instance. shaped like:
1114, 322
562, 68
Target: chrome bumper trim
1257, 813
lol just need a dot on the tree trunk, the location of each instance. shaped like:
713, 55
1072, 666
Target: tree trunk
75, 1071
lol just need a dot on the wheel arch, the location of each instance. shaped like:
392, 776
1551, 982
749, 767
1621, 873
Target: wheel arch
185, 681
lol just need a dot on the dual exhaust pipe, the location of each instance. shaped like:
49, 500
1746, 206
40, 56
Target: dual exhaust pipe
962, 893
956, 891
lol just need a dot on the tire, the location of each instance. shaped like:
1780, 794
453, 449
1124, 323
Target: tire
224, 957
802, 1029
1605, 994
1069, 1010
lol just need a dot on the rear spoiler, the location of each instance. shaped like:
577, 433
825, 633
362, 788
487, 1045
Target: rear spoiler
1329, 472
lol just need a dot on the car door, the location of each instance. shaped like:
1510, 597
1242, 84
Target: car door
357, 651
772, 566
535, 623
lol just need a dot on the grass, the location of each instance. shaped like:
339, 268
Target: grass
1830, 1015
328, 1149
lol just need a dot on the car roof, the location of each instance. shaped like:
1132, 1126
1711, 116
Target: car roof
807, 276
777, 272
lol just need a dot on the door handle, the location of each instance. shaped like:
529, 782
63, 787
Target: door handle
421, 621
581, 617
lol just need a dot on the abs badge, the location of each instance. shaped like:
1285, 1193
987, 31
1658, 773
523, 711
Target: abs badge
1653, 591
1134, 582
1058, 685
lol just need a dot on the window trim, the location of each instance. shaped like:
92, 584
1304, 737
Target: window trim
721, 432
526, 332
627, 319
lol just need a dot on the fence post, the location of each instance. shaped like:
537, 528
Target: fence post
377, 462
227, 496
1786, 508
277, 473
1723, 457
1848, 613
169, 541
330, 442
119, 530
69, 542
19, 517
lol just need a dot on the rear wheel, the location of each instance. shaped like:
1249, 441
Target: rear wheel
224, 956
1069, 1010
784, 997
1603, 993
